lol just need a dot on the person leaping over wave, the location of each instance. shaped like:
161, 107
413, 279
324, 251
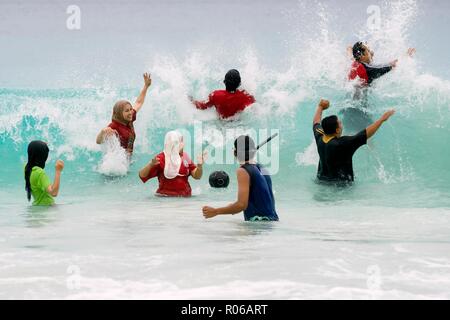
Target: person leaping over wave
230, 101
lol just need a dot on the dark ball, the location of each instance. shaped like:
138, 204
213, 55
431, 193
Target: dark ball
219, 179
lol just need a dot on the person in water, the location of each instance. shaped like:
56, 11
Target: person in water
37, 183
173, 168
123, 117
364, 72
363, 67
230, 101
336, 151
255, 196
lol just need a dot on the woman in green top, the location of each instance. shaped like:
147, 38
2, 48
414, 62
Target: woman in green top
37, 182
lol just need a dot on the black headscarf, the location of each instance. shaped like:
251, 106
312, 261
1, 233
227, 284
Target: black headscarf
37, 156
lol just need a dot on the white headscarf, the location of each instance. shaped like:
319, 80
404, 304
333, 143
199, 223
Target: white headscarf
173, 143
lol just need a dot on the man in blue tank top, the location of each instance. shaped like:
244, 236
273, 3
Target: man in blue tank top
255, 196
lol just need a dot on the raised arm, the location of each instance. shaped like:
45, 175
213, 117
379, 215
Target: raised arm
53, 189
242, 200
323, 105
141, 99
373, 128
198, 172
145, 171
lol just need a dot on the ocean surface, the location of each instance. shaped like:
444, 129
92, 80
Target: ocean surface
385, 237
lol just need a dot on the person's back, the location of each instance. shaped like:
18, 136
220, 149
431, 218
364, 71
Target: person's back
228, 102
261, 202
336, 151
39, 182
255, 197
336, 154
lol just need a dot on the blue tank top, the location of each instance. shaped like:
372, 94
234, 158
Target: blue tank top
261, 202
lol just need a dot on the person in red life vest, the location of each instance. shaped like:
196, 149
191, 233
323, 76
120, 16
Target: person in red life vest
363, 68
230, 101
173, 168
124, 114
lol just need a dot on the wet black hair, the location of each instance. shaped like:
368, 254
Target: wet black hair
37, 156
358, 50
219, 179
232, 80
330, 124
245, 148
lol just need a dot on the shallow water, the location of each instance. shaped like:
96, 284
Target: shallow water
387, 236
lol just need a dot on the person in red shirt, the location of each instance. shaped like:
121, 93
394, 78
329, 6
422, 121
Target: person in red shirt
124, 114
230, 101
173, 168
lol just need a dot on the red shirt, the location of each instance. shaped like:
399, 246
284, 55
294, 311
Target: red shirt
178, 186
126, 133
358, 70
227, 103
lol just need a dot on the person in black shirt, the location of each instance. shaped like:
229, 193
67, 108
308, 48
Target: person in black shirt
336, 151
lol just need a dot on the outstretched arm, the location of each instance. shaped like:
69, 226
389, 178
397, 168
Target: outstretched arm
373, 128
202, 105
242, 201
140, 100
376, 71
323, 105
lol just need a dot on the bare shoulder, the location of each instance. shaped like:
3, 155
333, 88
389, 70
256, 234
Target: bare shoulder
242, 173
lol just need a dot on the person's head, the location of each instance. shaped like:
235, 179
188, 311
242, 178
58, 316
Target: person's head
173, 142
37, 156
332, 126
362, 53
123, 112
244, 148
232, 80
173, 150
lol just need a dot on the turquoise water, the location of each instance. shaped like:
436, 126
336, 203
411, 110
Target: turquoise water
387, 236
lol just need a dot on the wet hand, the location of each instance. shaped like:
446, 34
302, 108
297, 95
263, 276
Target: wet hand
387, 115
109, 131
155, 162
324, 104
202, 157
209, 212
59, 166
147, 79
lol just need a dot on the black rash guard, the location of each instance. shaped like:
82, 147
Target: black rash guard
336, 155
